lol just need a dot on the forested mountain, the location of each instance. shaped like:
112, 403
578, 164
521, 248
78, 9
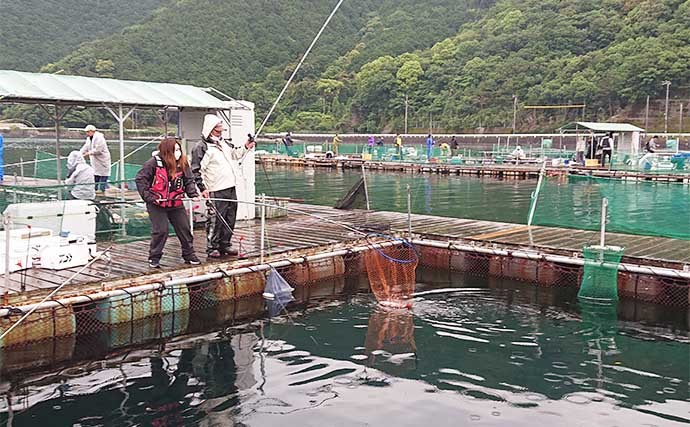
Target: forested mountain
36, 32
607, 54
230, 43
459, 63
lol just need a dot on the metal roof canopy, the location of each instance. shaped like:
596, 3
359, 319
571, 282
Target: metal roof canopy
629, 135
599, 127
40, 88
63, 92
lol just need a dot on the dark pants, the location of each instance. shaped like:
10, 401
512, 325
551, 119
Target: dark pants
219, 232
101, 182
604, 155
580, 157
159, 230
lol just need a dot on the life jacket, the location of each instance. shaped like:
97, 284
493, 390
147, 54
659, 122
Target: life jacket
605, 143
168, 192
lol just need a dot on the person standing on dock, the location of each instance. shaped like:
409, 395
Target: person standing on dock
429, 146
580, 148
606, 147
287, 141
371, 141
454, 146
336, 143
216, 172
399, 145
162, 183
97, 149
652, 144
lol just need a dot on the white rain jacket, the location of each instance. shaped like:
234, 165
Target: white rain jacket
80, 175
215, 163
581, 145
97, 150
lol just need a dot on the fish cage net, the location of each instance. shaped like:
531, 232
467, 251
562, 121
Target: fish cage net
600, 277
391, 272
646, 208
560, 279
45, 167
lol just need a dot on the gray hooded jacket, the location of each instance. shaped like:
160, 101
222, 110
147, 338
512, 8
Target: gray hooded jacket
80, 174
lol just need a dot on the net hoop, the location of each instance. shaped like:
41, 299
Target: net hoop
405, 243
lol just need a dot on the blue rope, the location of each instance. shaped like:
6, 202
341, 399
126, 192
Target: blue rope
405, 243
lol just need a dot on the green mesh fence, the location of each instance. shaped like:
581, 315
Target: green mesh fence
110, 212
416, 153
46, 169
600, 276
635, 207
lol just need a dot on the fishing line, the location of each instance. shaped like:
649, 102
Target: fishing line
282, 92
321, 218
313, 42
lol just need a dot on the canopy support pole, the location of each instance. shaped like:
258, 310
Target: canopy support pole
120, 117
57, 117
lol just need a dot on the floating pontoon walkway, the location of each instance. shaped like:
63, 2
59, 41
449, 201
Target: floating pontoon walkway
488, 168
299, 235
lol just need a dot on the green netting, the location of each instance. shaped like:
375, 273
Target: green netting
21, 194
416, 153
46, 167
635, 207
136, 218
600, 277
109, 218
660, 163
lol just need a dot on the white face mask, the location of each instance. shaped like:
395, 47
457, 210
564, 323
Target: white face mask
178, 153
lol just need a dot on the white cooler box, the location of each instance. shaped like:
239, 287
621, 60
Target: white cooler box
62, 216
65, 252
25, 243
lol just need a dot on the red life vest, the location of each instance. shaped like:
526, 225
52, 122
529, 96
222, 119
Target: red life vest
168, 192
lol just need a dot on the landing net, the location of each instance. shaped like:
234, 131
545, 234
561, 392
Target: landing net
392, 272
600, 277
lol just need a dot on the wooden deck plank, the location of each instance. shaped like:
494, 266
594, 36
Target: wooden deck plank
299, 231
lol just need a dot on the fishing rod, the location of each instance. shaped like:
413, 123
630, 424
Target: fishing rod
287, 84
299, 65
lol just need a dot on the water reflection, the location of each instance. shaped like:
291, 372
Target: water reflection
390, 337
507, 354
600, 327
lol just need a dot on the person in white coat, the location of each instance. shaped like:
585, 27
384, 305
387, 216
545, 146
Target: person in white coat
216, 171
97, 149
580, 148
81, 176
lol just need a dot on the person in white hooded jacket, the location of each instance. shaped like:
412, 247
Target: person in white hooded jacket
97, 149
80, 175
216, 171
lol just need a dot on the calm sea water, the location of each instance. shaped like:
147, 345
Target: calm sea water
491, 352
645, 208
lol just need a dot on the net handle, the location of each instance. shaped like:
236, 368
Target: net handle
405, 243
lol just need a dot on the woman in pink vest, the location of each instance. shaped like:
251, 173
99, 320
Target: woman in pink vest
162, 182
